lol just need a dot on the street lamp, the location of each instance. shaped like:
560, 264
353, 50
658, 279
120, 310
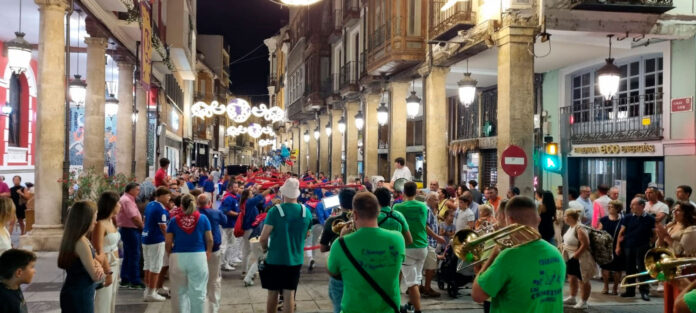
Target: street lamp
342, 125
6, 109
382, 114
78, 89
412, 105
327, 129
134, 116
359, 120
111, 106
18, 49
608, 76
467, 88
317, 133
306, 136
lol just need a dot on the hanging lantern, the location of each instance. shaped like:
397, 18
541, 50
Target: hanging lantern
342, 125
18, 53
412, 105
609, 76
78, 90
327, 129
134, 116
317, 133
111, 106
382, 114
467, 90
359, 120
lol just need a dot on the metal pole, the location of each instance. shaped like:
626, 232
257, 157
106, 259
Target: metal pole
66, 144
135, 105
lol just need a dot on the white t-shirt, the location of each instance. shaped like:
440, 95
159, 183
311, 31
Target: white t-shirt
462, 219
657, 208
402, 172
5, 240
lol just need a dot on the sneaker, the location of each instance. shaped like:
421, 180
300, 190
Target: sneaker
227, 267
248, 283
124, 285
311, 265
569, 301
164, 292
236, 261
582, 305
154, 297
146, 293
137, 286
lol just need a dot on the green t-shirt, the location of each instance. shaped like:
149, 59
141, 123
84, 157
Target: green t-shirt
416, 214
528, 278
690, 300
395, 222
286, 244
380, 252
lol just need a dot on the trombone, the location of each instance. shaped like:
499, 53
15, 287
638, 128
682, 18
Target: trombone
474, 248
661, 264
338, 225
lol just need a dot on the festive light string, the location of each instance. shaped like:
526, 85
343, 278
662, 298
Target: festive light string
254, 130
237, 110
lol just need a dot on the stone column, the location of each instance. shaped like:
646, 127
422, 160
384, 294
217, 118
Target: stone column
141, 134
324, 145
336, 143
371, 134
436, 126
515, 100
397, 123
124, 126
304, 148
50, 128
94, 104
312, 152
351, 141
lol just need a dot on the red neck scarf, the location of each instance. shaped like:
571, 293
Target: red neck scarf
188, 223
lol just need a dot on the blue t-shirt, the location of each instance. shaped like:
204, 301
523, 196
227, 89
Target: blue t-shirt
202, 180
190, 185
251, 211
155, 214
194, 242
229, 204
216, 218
208, 186
321, 213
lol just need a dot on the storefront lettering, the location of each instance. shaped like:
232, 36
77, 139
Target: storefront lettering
615, 149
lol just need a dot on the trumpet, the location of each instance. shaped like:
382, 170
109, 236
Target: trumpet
337, 225
474, 248
661, 264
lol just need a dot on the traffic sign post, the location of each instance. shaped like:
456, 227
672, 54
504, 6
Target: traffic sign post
513, 160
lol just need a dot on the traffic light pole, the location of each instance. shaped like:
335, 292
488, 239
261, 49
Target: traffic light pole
565, 150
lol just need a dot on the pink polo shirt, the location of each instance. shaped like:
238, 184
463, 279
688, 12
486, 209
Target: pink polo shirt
129, 210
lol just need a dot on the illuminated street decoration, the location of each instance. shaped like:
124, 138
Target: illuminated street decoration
237, 110
254, 130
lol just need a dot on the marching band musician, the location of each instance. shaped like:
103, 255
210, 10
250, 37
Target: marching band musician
509, 288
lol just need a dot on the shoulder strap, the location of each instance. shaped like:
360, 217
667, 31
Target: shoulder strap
280, 210
367, 277
304, 211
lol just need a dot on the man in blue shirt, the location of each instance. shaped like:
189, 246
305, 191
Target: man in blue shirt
216, 218
156, 217
230, 207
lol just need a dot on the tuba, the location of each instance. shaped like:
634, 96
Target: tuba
474, 248
337, 225
399, 184
661, 264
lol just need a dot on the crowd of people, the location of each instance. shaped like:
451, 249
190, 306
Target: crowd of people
380, 240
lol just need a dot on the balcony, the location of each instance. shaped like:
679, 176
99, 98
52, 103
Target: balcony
362, 65
392, 47
446, 24
636, 118
272, 79
639, 6
337, 31
351, 12
348, 80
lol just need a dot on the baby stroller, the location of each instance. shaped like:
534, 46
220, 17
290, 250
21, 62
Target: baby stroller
452, 274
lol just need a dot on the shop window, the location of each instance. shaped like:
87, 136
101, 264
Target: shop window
16, 116
489, 168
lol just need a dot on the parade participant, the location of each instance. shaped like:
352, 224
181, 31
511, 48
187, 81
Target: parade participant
416, 214
371, 283
684, 193
230, 207
509, 288
250, 203
285, 227
656, 207
611, 224
464, 217
400, 171
16, 269
318, 219
77, 258
156, 217
492, 197
7, 214
161, 177
345, 198
390, 219
105, 238
580, 265
189, 241
433, 230
216, 218
130, 223
635, 236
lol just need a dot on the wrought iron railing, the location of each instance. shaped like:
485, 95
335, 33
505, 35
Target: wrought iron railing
622, 119
380, 35
348, 74
442, 21
363, 65
336, 82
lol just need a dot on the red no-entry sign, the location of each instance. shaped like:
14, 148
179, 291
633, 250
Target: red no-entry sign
513, 161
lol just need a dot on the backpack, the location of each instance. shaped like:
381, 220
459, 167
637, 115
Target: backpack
601, 245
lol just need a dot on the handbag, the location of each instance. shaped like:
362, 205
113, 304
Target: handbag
367, 277
238, 225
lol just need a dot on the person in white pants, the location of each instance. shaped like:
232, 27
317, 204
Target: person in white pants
190, 241
231, 246
105, 238
216, 218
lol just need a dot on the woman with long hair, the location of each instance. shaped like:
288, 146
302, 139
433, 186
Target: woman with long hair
7, 214
580, 265
105, 238
249, 205
680, 237
189, 241
77, 258
547, 212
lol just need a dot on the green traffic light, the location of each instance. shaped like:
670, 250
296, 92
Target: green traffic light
551, 163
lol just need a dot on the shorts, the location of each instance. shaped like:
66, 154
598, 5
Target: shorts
280, 277
430, 260
165, 263
153, 257
20, 211
412, 268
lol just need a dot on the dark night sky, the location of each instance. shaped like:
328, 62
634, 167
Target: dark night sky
244, 24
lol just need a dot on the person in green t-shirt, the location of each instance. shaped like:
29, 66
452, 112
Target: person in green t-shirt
379, 252
416, 214
539, 287
686, 301
286, 226
390, 219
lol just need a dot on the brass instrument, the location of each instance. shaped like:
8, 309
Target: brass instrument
337, 225
475, 248
662, 265
399, 184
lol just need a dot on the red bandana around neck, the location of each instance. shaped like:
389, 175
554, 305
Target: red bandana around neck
188, 223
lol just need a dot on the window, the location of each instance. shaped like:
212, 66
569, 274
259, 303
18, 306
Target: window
15, 116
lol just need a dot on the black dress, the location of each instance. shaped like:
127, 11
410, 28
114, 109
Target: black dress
613, 228
77, 294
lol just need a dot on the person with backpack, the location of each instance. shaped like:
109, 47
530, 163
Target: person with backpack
283, 237
579, 262
390, 219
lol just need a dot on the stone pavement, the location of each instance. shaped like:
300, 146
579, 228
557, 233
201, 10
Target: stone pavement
43, 294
